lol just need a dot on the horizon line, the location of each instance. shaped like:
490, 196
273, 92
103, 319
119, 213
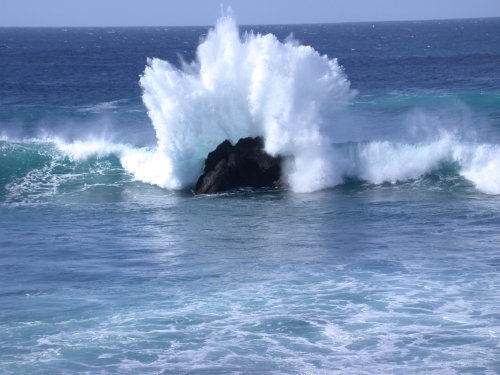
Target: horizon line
265, 24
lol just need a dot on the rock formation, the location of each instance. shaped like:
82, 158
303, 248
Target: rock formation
245, 164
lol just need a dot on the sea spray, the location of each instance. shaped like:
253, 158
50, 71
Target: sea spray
250, 85
255, 85
244, 86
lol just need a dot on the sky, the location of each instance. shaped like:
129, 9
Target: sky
78, 13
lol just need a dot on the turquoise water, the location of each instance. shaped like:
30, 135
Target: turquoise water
393, 270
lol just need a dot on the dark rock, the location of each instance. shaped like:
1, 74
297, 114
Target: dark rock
245, 164
221, 152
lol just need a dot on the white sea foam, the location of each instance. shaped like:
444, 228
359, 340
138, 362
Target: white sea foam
375, 162
144, 164
81, 150
245, 86
256, 85
252, 85
101, 107
480, 164
379, 162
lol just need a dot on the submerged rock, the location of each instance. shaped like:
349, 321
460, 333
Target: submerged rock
245, 164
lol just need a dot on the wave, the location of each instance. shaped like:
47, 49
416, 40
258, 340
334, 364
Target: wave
244, 86
101, 107
379, 162
37, 170
34, 171
256, 85
239, 86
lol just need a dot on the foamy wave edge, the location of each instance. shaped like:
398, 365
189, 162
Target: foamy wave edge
375, 162
145, 164
379, 162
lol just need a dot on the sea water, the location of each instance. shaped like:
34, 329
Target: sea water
381, 257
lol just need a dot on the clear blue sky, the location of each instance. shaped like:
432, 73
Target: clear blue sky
206, 12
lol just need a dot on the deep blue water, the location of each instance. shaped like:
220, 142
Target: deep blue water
394, 270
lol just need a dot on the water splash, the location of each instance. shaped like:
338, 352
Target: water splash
245, 86
255, 85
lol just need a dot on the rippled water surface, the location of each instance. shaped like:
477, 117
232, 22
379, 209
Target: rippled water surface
389, 267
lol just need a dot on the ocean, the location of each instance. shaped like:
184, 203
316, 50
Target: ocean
381, 256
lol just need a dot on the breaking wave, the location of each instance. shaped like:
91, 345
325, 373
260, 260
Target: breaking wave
34, 171
245, 86
256, 85
240, 86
